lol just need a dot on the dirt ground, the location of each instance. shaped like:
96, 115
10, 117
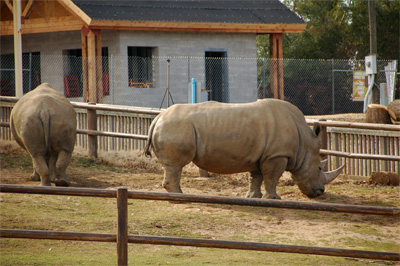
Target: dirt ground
136, 172
139, 173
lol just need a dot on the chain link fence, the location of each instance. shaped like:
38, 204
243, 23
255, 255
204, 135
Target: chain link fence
317, 87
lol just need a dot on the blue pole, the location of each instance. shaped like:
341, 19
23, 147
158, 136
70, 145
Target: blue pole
193, 90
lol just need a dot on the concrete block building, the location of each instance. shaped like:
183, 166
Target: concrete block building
117, 51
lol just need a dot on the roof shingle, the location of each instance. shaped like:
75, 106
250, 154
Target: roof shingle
217, 11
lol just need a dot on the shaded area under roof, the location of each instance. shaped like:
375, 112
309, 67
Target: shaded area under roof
218, 11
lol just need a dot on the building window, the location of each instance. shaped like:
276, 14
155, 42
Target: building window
140, 66
73, 75
31, 76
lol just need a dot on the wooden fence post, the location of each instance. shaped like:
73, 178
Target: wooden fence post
122, 234
92, 125
324, 142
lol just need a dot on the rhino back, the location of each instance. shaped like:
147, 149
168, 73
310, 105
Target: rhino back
44, 114
231, 138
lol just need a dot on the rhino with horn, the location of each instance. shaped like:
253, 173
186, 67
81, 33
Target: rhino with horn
264, 138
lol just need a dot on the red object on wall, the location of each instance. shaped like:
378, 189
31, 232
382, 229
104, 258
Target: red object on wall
71, 86
106, 86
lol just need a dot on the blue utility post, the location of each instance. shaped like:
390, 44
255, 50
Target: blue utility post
194, 90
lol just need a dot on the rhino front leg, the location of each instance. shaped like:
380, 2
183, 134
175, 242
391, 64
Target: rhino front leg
42, 169
172, 178
272, 171
255, 179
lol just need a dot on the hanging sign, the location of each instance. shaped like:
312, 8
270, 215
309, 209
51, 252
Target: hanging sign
359, 86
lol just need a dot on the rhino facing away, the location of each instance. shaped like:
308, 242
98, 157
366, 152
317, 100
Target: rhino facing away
43, 122
264, 138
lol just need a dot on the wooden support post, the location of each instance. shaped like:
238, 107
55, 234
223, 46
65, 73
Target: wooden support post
276, 56
122, 234
92, 125
19, 91
92, 66
373, 50
84, 64
99, 67
91, 48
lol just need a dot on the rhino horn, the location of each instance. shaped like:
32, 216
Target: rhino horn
330, 176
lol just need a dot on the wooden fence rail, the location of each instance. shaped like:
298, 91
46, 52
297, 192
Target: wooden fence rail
122, 238
363, 147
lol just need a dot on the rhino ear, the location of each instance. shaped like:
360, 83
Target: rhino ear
317, 128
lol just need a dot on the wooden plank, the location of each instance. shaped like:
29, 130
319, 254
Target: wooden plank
352, 155
56, 235
65, 191
206, 243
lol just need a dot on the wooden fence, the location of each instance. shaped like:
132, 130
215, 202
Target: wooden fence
364, 148
122, 238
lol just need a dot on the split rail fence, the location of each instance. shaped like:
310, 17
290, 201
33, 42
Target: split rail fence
122, 238
363, 147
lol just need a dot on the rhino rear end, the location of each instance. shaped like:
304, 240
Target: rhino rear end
43, 122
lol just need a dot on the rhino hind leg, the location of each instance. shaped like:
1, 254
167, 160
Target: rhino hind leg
61, 163
52, 168
42, 169
172, 178
256, 180
35, 176
272, 170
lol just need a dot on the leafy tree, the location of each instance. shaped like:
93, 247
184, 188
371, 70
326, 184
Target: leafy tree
340, 29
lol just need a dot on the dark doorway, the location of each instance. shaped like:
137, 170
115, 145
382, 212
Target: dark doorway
217, 76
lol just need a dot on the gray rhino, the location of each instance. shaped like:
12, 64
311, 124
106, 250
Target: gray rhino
264, 138
43, 122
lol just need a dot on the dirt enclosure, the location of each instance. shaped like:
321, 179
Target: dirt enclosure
134, 171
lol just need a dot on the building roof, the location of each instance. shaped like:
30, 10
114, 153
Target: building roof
217, 11
241, 16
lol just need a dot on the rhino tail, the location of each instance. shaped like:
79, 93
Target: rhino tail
45, 118
147, 149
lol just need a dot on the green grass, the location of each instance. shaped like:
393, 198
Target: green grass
84, 214
20, 160
205, 221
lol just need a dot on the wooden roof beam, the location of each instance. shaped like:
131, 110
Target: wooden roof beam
53, 24
75, 11
197, 26
27, 8
9, 5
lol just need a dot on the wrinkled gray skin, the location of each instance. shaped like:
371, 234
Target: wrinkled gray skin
43, 122
264, 138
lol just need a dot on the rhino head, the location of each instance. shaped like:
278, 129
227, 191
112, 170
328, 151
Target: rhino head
310, 178
313, 185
